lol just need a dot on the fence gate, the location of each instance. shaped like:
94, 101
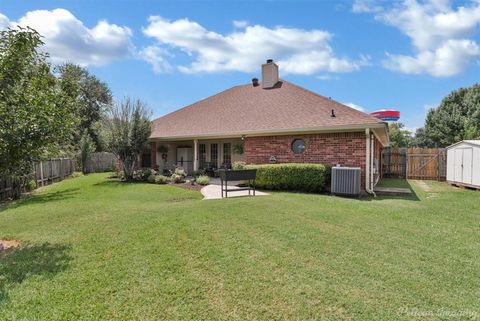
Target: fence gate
415, 163
427, 163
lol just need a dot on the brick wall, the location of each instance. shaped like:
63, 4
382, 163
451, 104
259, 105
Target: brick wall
346, 149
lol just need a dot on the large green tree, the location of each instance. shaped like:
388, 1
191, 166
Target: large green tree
92, 96
36, 117
399, 136
126, 132
457, 118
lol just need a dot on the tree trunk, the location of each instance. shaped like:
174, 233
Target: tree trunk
128, 167
18, 186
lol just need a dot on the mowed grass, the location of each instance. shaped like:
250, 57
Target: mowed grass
394, 182
97, 249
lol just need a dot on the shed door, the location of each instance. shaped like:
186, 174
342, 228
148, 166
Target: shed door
467, 165
451, 164
458, 165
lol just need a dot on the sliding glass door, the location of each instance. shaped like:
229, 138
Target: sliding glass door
203, 155
227, 154
214, 155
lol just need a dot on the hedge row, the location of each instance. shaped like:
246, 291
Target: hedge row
292, 177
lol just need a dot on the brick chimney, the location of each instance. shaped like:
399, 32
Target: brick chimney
269, 74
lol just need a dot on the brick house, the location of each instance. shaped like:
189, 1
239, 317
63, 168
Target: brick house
272, 121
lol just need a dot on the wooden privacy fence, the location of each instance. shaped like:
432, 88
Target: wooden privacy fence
394, 162
100, 162
44, 172
415, 163
52, 170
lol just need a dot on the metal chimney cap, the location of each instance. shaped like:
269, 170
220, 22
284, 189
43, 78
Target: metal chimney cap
255, 82
269, 61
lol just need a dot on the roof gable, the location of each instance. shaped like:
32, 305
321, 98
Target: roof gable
468, 142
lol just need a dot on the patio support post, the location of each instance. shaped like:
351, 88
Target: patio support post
195, 154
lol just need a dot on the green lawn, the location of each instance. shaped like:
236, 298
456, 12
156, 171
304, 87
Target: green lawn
96, 249
394, 182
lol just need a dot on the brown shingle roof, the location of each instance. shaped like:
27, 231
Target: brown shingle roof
247, 109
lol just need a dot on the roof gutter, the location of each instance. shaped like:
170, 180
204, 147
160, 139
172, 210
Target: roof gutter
312, 130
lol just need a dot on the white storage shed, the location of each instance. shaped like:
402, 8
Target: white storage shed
463, 163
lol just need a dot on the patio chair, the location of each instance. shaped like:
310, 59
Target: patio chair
209, 169
224, 166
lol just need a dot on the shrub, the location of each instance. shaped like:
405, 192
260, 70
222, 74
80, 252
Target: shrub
175, 178
77, 174
143, 174
160, 179
239, 165
292, 177
31, 185
203, 180
198, 173
180, 172
151, 178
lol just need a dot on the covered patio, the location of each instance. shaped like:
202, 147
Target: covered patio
196, 154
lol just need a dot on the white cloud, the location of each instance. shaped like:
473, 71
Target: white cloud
298, 51
433, 22
4, 22
156, 56
443, 37
327, 77
240, 23
355, 106
451, 58
68, 39
366, 6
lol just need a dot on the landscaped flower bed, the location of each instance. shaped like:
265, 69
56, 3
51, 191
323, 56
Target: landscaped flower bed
177, 177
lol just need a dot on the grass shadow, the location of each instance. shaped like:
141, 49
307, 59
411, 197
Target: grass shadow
40, 198
117, 182
18, 264
395, 183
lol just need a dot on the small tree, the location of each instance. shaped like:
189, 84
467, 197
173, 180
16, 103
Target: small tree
91, 97
127, 128
35, 116
87, 147
456, 118
399, 136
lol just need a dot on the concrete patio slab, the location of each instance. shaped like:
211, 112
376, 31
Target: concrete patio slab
214, 190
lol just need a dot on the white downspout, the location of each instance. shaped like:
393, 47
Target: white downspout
372, 158
368, 162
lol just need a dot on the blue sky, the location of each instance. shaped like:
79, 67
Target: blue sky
373, 54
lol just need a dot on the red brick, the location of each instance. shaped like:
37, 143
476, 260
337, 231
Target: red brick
346, 149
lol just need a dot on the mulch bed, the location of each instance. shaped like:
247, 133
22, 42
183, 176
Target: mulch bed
189, 186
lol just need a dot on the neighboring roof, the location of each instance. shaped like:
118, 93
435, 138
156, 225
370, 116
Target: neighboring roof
470, 142
245, 109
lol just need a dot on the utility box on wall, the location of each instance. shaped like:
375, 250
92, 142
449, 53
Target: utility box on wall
463, 163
